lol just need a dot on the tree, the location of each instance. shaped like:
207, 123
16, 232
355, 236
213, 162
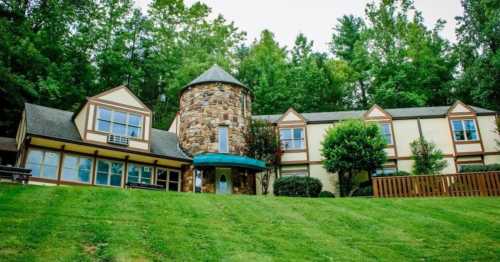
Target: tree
262, 142
428, 160
478, 49
350, 147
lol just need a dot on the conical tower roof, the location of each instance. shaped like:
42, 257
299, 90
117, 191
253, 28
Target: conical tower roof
215, 74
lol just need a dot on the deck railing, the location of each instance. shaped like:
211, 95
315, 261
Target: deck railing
451, 185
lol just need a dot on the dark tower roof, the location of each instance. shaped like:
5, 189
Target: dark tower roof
215, 74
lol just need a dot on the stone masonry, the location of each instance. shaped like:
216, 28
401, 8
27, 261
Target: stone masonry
205, 107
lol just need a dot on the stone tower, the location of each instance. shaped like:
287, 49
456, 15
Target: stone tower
213, 102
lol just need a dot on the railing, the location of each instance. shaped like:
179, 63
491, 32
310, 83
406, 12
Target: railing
451, 185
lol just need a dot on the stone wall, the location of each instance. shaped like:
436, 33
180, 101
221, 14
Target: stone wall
205, 107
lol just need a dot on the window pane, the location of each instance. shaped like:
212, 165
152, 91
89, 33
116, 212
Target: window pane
116, 180
35, 169
101, 178
146, 172
173, 186
69, 173
118, 129
70, 161
119, 117
117, 168
459, 135
146, 181
85, 163
285, 134
223, 145
297, 133
102, 166
162, 174
104, 114
84, 175
133, 179
50, 172
457, 125
174, 176
103, 125
470, 130
35, 157
51, 159
135, 120
134, 131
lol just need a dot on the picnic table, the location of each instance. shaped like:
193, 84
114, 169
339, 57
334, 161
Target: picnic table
15, 174
145, 186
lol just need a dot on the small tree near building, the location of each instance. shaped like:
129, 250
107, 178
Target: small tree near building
351, 147
262, 142
428, 160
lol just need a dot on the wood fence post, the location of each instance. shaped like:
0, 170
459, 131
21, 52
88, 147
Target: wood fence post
375, 186
482, 184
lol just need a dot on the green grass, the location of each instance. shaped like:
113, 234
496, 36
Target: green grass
89, 224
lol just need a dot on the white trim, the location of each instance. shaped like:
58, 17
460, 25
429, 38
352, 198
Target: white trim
111, 122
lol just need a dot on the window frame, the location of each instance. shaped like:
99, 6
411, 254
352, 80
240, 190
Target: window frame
141, 171
109, 174
77, 168
219, 139
112, 122
167, 178
42, 164
389, 124
464, 130
292, 139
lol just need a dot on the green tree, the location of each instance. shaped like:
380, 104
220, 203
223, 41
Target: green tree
351, 147
479, 51
428, 160
262, 142
411, 65
264, 70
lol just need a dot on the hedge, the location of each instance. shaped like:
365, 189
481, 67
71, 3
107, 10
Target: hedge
297, 186
479, 168
326, 194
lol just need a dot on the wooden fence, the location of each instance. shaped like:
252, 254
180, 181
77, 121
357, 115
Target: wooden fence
452, 185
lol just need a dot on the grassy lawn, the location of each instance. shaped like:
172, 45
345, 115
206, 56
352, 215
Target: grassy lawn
87, 224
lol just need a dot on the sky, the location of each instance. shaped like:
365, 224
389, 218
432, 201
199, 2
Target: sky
314, 18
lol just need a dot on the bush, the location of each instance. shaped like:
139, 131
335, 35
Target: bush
479, 168
297, 186
326, 194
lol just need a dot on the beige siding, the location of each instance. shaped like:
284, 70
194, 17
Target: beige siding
295, 156
291, 116
390, 152
405, 165
121, 96
173, 126
464, 148
138, 145
90, 123
492, 159
80, 120
329, 180
94, 137
437, 131
405, 131
147, 127
315, 135
489, 135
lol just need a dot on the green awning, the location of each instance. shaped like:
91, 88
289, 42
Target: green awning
227, 160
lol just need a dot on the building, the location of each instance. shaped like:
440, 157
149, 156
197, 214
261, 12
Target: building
110, 141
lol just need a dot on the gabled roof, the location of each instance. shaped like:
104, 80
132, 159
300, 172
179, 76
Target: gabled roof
396, 113
215, 74
58, 124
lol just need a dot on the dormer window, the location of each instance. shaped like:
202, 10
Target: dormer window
387, 132
119, 123
464, 130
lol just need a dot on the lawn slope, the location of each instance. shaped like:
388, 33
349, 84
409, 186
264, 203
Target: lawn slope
87, 224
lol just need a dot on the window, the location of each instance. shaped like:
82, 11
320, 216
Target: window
198, 181
119, 123
387, 132
169, 179
139, 174
294, 173
43, 163
386, 171
77, 168
223, 140
109, 173
243, 104
464, 130
292, 138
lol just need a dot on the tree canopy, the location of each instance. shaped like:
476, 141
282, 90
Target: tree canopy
57, 52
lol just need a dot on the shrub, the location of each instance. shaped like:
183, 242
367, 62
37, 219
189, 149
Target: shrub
326, 194
297, 186
398, 173
479, 168
364, 191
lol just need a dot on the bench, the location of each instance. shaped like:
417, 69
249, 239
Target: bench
145, 186
15, 174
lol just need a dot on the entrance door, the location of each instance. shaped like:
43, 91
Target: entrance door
223, 183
